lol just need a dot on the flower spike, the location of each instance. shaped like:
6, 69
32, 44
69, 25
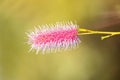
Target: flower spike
59, 36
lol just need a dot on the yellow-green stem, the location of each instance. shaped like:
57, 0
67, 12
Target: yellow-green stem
83, 31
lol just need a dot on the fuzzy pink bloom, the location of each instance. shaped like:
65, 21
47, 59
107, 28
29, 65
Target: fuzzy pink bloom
59, 36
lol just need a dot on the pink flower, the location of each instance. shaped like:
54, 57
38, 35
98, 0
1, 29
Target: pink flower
59, 36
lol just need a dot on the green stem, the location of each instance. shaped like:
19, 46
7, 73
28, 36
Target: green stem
82, 31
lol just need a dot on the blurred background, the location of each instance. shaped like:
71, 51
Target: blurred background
95, 59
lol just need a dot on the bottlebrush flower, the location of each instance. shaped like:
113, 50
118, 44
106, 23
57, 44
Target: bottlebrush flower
54, 37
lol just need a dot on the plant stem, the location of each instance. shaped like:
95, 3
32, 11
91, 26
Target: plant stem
82, 31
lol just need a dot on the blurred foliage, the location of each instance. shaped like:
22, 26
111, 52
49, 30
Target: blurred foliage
87, 62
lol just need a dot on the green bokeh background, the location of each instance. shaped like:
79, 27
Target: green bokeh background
91, 61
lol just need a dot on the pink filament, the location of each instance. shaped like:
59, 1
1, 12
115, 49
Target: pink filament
58, 36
